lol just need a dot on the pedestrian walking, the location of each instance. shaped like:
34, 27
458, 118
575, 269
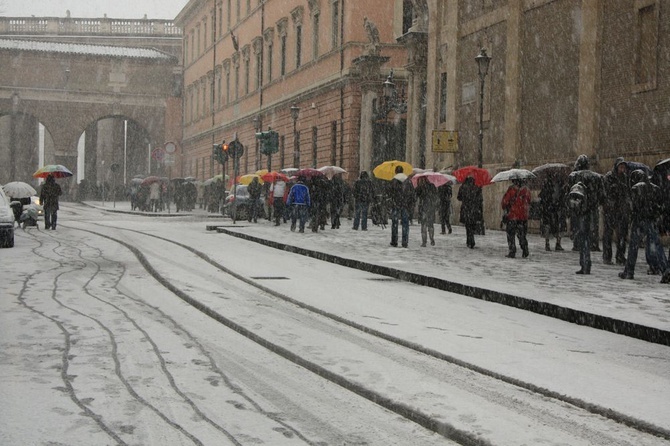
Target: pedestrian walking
516, 204
254, 189
277, 190
49, 197
616, 212
363, 196
427, 196
552, 210
299, 200
578, 205
595, 191
336, 198
646, 210
472, 204
400, 194
444, 194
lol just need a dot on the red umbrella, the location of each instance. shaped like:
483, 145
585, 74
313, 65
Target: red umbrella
309, 173
482, 176
150, 180
271, 177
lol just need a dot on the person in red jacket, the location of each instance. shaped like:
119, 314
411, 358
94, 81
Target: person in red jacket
516, 205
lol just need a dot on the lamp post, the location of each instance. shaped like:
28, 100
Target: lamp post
16, 99
483, 61
392, 102
295, 112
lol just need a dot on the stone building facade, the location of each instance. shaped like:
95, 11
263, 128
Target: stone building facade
247, 62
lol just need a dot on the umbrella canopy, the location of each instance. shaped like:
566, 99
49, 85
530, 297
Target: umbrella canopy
663, 165
57, 170
150, 180
289, 171
139, 176
634, 165
558, 169
136, 181
19, 189
271, 177
438, 179
248, 178
386, 170
308, 173
482, 176
584, 176
331, 171
261, 172
513, 174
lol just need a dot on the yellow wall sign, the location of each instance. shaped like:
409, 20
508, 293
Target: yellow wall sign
445, 141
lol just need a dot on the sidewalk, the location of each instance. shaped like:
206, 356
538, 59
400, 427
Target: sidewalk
544, 283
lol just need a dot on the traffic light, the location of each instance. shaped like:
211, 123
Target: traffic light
220, 152
269, 142
235, 149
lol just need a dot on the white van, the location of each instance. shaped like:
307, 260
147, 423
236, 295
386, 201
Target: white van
6, 222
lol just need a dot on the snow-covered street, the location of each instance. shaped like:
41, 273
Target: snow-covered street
128, 329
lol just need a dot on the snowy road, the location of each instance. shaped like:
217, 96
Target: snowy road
112, 356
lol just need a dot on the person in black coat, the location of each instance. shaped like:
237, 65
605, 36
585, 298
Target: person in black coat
616, 211
472, 202
552, 210
363, 194
426, 193
49, 196
254, 189
646, 210
337, 199
578, 204
401, 198
593, 183
444, 194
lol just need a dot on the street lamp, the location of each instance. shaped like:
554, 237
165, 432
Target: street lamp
483, 61
392, 101
295, 112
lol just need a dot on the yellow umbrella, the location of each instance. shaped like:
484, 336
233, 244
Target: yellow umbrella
248, 178
386, 170
261, 172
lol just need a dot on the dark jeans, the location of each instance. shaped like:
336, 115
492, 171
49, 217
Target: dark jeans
470, 229
445, 212
583, 241
654, 248
615, 225
279, 205
299, 212
361, 215
517, 228
50, 217
403, 215
254, 205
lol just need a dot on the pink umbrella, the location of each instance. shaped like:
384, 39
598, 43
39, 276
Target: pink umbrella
438, 179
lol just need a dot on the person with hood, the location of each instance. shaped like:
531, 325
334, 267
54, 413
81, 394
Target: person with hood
516, 203
578, 204
646, 209
426, 193
277, 190
616, 212
472, 202
401, 197
299, 199
363, 195
444, 194
254, 189
592, 181
49, 199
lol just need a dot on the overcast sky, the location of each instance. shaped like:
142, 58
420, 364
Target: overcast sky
123, 9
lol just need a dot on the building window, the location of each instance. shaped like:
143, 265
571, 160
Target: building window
218, 89
315, 147
239, 11
259, 70
315, 36
247, 68
221, 20
646, 47
197, 103
186, 41
282, 62
443, 98
333, 143
298, 46
407, 15
237, 82
204, 32
197, 31
227, 87
269, 62
229, 10
248, 7
335, 40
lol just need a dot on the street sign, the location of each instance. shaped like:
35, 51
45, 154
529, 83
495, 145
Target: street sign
169, 159
445, 141
170, 147
235, 149
158, 154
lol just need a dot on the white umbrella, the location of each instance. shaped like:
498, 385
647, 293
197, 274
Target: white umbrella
19, 189
513, 174
331, 171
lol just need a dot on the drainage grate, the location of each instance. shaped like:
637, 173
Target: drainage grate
269, 278
383, 279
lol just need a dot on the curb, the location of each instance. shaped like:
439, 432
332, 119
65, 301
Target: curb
579, 317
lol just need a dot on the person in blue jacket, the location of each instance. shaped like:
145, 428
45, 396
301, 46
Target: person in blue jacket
298, 199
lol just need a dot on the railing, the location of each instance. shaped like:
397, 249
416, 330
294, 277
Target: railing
69, 26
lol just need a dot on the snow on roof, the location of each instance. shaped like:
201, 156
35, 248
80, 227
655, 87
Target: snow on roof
79, 48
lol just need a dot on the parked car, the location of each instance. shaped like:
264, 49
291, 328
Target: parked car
241, 200
6, 222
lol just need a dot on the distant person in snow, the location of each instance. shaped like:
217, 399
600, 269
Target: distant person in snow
472, 202
49, 197
400, 194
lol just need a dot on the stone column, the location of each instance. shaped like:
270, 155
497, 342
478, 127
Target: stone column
512, 83
369, 71
589, 73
